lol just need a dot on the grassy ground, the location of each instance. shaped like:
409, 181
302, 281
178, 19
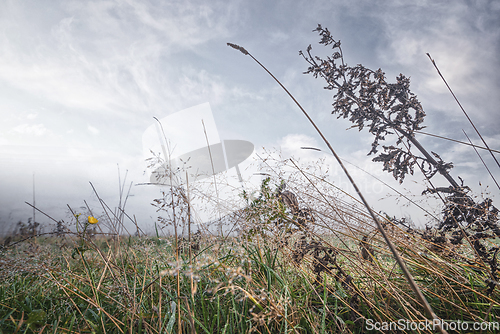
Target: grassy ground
337, 275
267, 285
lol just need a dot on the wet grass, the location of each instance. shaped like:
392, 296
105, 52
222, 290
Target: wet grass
137, 285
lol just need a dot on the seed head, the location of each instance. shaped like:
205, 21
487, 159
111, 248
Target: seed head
237, 47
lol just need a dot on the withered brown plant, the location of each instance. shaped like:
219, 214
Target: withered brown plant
366, 98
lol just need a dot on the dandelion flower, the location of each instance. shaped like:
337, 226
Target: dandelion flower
92, 220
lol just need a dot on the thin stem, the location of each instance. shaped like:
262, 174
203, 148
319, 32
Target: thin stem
387, 185
482, 160
215, 179
34, 208
429, 157
456, 141
189, 238
179, 327
403, 267
460, 105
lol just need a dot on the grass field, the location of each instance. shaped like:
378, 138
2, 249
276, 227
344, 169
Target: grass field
267, 280
304, 260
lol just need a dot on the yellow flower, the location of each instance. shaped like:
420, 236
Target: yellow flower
92, 220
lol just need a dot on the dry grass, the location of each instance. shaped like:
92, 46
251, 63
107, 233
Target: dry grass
275, 277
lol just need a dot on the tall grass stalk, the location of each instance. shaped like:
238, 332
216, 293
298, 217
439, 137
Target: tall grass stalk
400, 262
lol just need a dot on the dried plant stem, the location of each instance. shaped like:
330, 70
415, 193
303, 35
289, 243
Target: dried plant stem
215, 179
465, 113
179, 327
10, 245
457, 141
120, 189
384, 183
444, 202
104, 206
189, 238
34, 208
34, 198
429, 157
480, 158
403, 267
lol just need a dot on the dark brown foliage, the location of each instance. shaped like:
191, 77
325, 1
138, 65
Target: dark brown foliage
325, 262
302, 217
183, 243
365, 98
367, 251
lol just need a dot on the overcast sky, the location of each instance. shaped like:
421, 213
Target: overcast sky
80, 82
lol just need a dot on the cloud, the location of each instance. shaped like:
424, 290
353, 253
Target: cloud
291, 143
462, 38
93, 130
35, 129
110, 55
